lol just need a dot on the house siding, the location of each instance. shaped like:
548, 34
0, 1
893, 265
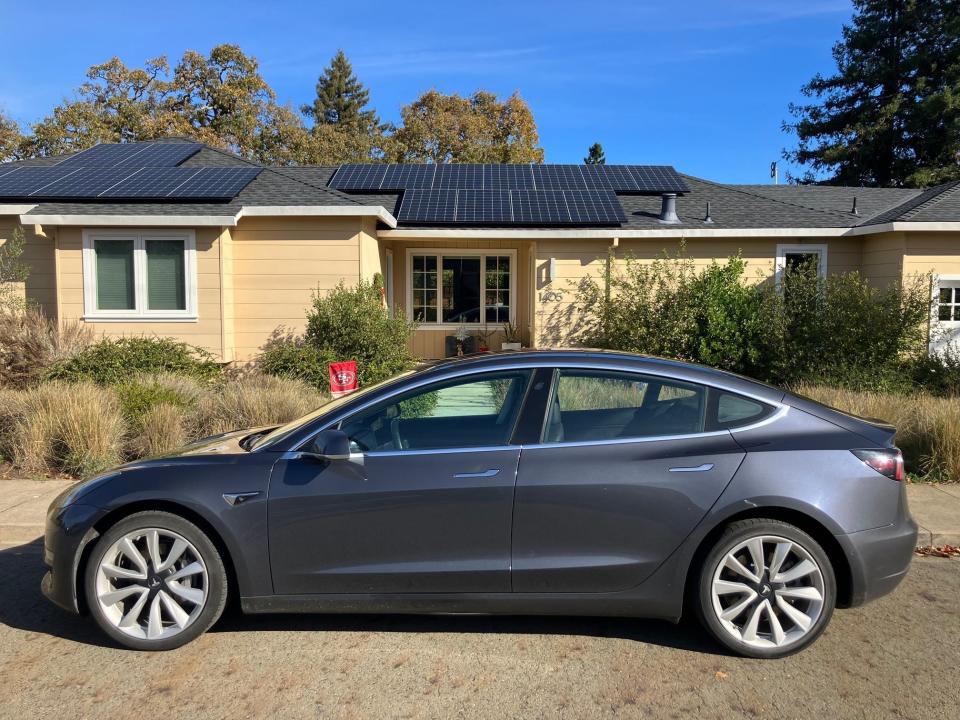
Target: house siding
39, 253
278, 263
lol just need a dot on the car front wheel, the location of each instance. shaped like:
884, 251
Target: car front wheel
766, 589
155, 581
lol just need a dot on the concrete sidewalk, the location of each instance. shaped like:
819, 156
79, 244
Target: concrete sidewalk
23, 507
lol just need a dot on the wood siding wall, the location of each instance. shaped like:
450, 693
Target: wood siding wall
38, 252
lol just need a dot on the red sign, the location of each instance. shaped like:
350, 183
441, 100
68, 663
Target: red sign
343, 378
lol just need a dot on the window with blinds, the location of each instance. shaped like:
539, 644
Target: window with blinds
115, 274
165, 275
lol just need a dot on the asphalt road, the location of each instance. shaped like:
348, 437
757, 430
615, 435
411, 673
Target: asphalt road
895, 658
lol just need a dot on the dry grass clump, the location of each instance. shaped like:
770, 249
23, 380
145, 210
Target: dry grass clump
30, 342
162, 428
928, 427
72, 428
253, 400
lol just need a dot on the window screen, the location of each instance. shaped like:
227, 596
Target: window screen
115, 283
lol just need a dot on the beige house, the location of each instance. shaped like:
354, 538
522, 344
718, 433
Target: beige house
177, 239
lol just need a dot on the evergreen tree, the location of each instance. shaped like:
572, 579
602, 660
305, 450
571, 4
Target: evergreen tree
890, 115
341, 97
595, 155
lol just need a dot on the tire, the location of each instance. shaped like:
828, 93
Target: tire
766, 614
155, 581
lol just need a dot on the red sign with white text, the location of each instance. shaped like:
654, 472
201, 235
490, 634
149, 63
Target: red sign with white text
343, 378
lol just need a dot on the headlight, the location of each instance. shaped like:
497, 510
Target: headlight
86, 486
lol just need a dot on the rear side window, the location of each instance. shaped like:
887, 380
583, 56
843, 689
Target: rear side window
594, 405
733, 411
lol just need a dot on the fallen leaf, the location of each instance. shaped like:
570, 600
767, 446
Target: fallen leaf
720, 675
942, 551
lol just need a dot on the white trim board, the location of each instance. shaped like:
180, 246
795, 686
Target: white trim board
780, 263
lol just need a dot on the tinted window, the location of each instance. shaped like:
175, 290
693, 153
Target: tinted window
736, 410
599, 405
479, 411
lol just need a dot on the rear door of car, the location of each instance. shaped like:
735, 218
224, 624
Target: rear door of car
625, 467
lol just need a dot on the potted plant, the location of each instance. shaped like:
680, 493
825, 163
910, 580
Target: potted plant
462, 336
511, 337
483, 339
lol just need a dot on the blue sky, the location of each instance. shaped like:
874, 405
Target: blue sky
697, 84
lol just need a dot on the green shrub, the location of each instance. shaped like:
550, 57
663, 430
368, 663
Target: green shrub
293, 357
113, 361
838, 329
352, 324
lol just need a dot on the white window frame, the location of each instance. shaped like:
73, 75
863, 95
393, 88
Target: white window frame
440, 253
784, 250
140, 313
951, 281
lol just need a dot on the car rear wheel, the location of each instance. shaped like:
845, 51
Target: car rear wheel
766, 589
155, 581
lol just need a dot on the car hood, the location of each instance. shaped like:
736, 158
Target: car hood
223, 444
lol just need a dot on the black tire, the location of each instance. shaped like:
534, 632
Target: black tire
216, 593
735, 534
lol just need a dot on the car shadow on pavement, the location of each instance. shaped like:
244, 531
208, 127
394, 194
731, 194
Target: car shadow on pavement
23, 607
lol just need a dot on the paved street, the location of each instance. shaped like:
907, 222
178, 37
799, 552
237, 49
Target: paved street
896, 658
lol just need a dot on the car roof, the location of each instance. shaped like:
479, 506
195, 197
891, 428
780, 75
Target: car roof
606, 359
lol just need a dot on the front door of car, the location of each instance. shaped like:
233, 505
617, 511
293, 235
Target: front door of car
424, 505
624, 473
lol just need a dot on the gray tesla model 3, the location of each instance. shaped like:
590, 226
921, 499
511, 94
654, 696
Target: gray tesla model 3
560, 482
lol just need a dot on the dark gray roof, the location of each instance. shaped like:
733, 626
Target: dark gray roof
731, 206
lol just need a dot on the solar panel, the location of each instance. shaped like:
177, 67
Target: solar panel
154, 183
657, 179
25, 180
491, 207
215, 183
408, 177
557, 177
511, 207
358, 177
508, 177
86, 182
429, 206
142, 154
458, 177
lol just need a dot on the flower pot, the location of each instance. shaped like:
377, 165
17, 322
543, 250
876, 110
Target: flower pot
510, 346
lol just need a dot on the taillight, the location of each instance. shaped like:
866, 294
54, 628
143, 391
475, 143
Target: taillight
888, 461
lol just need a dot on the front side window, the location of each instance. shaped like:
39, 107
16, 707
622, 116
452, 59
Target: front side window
795, 258
948, 300
461, 288
478, 411
598, 405
140, 275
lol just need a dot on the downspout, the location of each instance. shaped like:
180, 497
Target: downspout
223, 298
608, 281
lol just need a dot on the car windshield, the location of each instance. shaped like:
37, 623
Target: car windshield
277, 434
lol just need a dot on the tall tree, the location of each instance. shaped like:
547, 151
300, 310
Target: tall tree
595, 155
11, 139
220, 99
890, 115
341, 98
344, 128
479, 129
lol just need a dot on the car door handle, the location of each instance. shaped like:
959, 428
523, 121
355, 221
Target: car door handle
482, 473
698, 468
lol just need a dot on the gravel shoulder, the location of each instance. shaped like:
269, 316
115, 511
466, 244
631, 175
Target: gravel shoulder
894, 658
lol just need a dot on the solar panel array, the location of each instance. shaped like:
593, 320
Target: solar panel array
511, 207
124, 182
625, 179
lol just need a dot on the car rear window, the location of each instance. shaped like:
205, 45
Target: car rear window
730, 410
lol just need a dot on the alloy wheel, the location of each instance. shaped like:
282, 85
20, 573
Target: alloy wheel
768, 592
151, 584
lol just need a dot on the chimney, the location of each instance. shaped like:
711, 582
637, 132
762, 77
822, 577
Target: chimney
668, 209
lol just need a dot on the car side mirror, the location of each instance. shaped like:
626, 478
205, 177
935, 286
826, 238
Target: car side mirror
330, 445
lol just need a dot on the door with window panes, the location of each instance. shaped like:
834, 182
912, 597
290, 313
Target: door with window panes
457, 288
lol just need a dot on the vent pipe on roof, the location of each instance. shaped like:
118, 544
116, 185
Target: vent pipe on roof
854, 208
709, 218
668, 209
